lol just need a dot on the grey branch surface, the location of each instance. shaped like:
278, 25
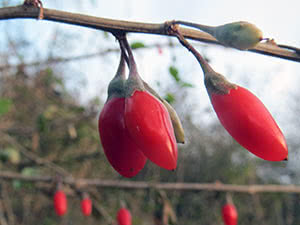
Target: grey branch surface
115, 26
217, 186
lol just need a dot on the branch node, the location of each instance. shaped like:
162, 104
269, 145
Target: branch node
36, 4
171, 28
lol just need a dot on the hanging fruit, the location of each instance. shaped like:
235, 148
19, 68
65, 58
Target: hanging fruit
86, 205
249, 122
240, 35
229, 214
124, 217
147, 120
121, 151
242, 114
60, 202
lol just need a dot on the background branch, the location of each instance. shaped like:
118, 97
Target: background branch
32, 156
22, 12
83, 56
217, 186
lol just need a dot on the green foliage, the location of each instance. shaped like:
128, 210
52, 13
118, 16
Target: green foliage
5, 105
170, 98
175, 74
186, 85
137, 44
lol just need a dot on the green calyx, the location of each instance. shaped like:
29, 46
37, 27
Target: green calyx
216, 83
134, 81
116, 87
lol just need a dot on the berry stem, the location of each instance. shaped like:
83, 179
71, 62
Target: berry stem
132, 64
228, 198
214, 81
134, 81
84, 195
204, 64
123, 50
121, 68
205, 28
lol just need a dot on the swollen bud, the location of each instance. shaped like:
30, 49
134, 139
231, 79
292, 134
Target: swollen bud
178, 129
241, 35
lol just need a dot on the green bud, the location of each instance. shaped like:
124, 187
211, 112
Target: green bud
240, 35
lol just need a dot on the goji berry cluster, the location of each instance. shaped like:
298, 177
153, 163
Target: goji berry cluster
60, 204
135, 124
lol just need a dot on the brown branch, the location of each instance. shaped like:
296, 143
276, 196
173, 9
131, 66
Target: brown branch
81, 182
116, 26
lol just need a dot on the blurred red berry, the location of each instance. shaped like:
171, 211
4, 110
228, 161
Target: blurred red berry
86, 206
124, 217
230, 215
60, 203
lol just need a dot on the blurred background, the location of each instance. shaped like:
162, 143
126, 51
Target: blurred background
53, 86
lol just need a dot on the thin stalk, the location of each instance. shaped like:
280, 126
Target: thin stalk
123, 49
214, 82
204, 64
205, 28
132, 64
134, 81
121, 69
